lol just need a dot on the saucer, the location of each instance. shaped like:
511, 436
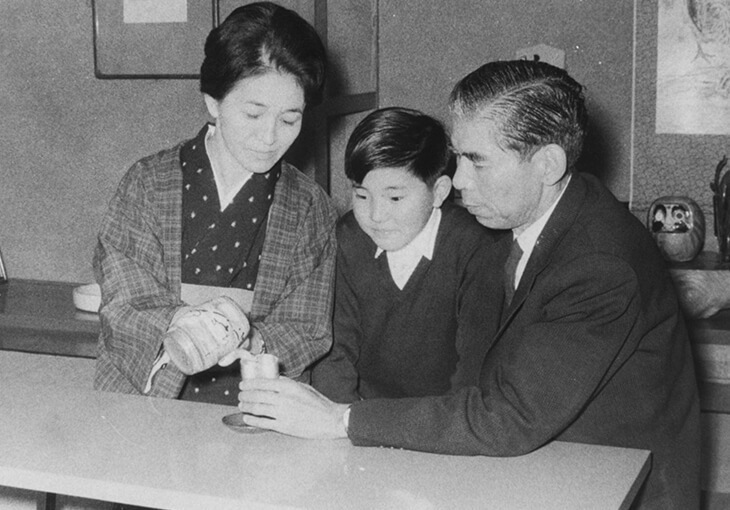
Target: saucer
235, 422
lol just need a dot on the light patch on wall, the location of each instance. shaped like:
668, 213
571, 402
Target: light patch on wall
155, 11
543, 53
693, 67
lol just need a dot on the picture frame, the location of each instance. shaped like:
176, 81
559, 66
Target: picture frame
3, 273
150, 39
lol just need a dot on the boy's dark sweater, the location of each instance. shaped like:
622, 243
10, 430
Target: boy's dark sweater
401, 343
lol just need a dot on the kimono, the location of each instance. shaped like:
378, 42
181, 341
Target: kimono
137, 263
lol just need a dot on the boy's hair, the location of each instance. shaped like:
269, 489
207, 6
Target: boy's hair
397, 138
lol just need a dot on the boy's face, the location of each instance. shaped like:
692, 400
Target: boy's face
392, 205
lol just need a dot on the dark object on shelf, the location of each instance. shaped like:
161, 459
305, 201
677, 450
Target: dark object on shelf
3, 273
677, 224
721, 208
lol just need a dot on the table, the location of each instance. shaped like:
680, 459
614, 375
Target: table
172, 454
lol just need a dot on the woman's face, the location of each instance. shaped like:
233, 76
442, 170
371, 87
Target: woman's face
257, 121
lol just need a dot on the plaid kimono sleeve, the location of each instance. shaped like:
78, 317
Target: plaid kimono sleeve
138, 297
295, 289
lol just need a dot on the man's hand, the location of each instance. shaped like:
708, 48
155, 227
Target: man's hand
292, 408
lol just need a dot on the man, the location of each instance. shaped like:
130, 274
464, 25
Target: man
591, 348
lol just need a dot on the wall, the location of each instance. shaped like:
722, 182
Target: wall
67, 137
419, 67
668, 164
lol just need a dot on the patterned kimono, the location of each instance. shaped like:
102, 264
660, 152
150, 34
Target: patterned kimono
138, 264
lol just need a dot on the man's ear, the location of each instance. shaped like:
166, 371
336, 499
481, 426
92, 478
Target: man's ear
212, 105
552, 160
441, 190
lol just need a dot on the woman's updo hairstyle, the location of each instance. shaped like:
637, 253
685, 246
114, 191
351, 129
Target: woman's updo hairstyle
258, 38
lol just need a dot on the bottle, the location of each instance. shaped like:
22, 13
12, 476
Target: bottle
200, 336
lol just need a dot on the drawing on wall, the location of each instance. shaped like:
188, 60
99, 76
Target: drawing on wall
693, 67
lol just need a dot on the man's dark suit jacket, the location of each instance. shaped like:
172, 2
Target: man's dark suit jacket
592, 349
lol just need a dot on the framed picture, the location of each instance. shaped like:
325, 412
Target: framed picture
3, 274
150, 38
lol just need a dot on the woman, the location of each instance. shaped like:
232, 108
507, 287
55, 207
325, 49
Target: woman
224, 210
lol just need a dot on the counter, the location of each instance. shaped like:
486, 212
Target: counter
178, 455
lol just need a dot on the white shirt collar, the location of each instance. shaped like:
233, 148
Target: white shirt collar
403, 262
528, 239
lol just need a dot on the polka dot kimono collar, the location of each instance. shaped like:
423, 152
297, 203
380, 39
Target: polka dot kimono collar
222, 248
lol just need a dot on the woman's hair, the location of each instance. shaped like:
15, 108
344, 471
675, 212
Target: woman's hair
259, 38
532, 103
397, 138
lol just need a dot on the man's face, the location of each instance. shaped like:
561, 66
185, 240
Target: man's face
500, 189
392, 206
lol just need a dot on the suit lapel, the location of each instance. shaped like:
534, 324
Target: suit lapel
562, 219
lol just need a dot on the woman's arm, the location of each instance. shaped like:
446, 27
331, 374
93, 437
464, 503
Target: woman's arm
138, 297
292, 308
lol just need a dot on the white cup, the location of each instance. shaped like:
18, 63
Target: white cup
264, 366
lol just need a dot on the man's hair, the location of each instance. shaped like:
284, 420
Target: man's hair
533, 104
259, 38
397, 138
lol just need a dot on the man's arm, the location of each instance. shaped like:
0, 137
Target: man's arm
573, 331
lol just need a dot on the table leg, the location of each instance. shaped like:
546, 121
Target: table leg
46, 501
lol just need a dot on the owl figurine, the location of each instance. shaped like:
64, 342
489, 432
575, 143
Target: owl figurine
678, 227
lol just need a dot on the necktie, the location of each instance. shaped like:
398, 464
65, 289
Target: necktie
510, 269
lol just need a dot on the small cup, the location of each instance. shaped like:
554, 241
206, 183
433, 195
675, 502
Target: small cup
264, 366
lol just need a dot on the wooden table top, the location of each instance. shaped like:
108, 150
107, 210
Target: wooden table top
64, 439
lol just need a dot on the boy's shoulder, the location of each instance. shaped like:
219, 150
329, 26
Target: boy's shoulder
350, 235
347, 223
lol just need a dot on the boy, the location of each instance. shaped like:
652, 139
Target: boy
414, 286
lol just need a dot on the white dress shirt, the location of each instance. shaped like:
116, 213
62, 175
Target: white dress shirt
528, 239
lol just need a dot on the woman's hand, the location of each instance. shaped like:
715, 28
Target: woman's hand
292, 408
232, 356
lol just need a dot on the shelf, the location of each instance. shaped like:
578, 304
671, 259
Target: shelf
39, 316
